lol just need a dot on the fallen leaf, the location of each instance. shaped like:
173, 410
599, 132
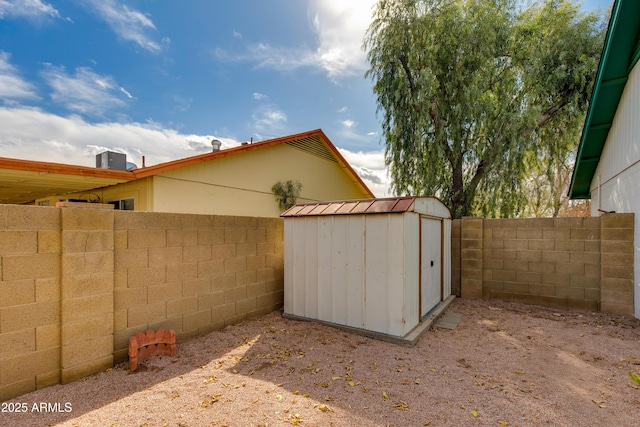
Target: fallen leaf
351, 383
323, 408
474, 414
279, 397
402, 406
521, 372
503, 423
635, 377
336, 378
385, 395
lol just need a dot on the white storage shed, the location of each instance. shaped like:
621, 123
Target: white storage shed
379, 265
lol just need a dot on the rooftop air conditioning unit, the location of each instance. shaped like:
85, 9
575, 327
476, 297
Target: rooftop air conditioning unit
111, 160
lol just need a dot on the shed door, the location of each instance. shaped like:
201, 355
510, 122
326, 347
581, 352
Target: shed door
430, 264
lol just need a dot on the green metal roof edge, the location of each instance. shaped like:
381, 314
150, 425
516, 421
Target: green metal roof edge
584, 166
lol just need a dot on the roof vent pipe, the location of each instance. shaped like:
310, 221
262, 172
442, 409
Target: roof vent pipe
215, 145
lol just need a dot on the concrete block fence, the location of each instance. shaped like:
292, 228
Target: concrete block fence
77, 282
577, 263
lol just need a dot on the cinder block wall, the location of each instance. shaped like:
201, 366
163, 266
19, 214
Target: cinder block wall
75, 283
193, 273
583, 263
30, 251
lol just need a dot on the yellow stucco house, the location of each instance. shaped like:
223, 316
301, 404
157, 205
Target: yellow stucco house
235, 181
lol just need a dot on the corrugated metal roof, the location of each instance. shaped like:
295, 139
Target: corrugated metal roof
352, 207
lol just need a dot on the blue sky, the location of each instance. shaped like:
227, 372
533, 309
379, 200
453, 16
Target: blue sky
162, 78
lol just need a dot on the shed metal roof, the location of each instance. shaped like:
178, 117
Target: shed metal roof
620, 53
356, 207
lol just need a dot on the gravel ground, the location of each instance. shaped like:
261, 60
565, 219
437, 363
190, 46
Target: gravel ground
505, 364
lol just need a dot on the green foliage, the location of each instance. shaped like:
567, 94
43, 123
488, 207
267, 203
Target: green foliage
472, 91
286, 193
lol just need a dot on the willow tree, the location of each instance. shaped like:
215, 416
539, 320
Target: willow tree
471, 90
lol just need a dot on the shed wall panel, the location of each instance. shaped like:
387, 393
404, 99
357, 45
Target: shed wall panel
310, 267
325, 267
411, 271
289, 266
355, 272
299, 260
395, 274
339, 262
376, 273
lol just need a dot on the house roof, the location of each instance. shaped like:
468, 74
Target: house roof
22, 181
314, 142
620, 53
370, 206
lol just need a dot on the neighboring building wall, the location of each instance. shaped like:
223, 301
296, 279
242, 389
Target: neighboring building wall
584, 263
76, 283
241, 184
616, 182
139, 190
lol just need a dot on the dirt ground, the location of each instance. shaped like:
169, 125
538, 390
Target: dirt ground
505, 364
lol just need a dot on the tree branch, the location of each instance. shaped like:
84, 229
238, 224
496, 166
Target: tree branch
547, 115
407, 72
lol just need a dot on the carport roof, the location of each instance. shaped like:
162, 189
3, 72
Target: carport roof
22, 181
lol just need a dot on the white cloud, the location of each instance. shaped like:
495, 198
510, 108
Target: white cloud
123, 90
348, 130
268, 119
31, 9
128, 24
371, 168
84, 92
339, 27
11, 84
260, 96
280, 58
33, 134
